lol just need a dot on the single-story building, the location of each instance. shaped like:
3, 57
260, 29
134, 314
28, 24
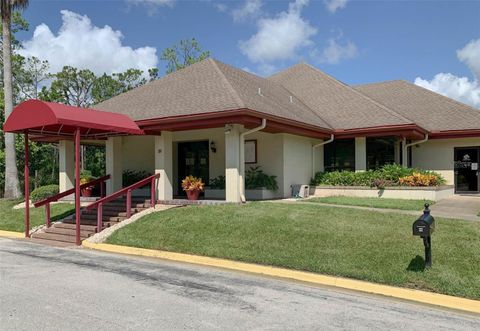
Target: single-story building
211, 119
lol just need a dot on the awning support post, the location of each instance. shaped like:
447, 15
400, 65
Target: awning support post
27, 187
77, 186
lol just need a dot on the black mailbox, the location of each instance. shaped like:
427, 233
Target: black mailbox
425, 224
424, 227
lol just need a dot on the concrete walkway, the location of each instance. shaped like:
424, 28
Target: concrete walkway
458, 207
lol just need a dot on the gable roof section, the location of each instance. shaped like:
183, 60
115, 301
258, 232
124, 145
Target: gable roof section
337, 103
430, 110
210, 87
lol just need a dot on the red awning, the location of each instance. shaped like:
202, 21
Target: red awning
50, 119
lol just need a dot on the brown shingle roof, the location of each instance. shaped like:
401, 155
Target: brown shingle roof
337, 103
430, 110
210, 86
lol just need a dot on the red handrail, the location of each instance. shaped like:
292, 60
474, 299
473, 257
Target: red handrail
58, 196
128, 191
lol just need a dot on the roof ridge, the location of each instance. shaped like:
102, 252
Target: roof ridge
235, 94
377, 83
330, 126
392, 112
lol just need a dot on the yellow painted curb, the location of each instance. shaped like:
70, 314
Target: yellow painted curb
11, 234
441, 300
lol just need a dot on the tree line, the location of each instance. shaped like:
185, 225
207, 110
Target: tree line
31, 78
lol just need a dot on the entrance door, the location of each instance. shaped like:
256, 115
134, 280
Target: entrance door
192, 160
467, 179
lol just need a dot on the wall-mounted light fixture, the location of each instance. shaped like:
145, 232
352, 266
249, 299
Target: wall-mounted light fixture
213, 147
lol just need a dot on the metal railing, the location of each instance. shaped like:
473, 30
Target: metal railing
46, 202
124, 191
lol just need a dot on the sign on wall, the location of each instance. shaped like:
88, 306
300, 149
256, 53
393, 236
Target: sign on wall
250, 151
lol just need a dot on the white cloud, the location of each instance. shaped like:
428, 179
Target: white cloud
335, 52
333, 5
459, 88
470, 55
80, 44
152, 5
280, 37
249, 10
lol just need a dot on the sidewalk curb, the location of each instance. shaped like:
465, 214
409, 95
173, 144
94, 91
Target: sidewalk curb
447, 301
11, 234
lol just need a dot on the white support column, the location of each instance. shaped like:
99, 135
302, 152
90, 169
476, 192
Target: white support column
66, 165
397, 150
360, 154
404, 153
164, 165
232, 162
114, 166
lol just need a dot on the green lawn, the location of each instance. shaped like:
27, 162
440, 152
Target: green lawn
14, 219
359, 244
402, 204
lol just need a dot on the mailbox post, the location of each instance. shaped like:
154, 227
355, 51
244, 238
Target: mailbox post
424, 227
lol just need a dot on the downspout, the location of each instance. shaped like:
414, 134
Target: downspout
332, 137
405, 149
242, 157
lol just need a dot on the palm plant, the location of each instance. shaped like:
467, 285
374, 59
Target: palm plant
12, 187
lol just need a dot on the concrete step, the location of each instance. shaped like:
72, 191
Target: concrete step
56, 237
69, 232
105, 218
90, 228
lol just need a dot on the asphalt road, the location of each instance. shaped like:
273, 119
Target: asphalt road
46, 288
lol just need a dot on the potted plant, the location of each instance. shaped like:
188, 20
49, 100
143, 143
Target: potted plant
85, 177
193, 186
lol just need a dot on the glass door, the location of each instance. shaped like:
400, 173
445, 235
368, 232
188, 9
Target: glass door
467, 179
193, 159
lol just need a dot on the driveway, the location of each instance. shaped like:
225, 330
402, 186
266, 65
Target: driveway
47, 288
458, 206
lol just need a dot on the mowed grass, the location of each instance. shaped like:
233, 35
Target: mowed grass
386, 203
14, 219
347, 242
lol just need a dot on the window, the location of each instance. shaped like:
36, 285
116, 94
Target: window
340, 155
380, 151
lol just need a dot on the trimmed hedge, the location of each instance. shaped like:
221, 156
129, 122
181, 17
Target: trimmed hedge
389, 175
44, 192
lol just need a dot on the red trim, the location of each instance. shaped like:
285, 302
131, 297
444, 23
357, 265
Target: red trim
412, 131
455, 134
247, 117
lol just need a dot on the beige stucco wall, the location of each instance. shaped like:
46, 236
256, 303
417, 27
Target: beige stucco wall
66, 165
269, 156
438, 154
138, 153
297, 161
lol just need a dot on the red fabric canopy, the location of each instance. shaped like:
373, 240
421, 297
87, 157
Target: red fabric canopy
54, 119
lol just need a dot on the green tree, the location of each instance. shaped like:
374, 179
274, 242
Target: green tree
183, 54
12, 187
108, 86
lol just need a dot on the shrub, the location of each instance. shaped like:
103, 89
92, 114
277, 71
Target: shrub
130, 177
44, 192
256, 178
389, 175
86, 176
191, 183
217, 183
418, 179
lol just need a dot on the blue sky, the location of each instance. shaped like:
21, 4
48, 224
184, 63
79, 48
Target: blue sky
355, 41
